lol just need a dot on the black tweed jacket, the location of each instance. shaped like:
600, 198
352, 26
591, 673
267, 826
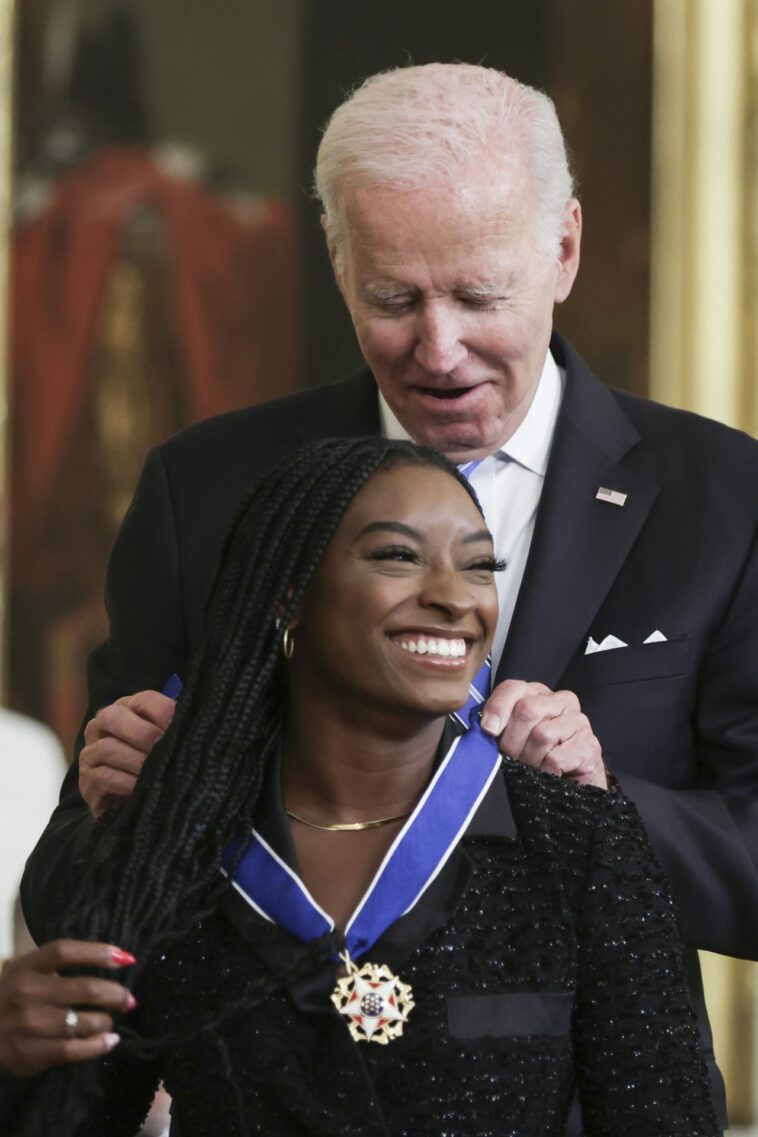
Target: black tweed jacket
545, 956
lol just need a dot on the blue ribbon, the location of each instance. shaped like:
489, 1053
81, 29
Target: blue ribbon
414, 859
173, 687
416, 856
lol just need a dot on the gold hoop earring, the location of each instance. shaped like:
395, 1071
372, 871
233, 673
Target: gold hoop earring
288, 643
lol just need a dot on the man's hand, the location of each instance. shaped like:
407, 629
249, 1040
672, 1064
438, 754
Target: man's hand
545, 729
39, 1027
117, 741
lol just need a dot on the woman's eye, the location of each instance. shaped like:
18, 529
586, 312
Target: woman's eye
487, 564
395, 553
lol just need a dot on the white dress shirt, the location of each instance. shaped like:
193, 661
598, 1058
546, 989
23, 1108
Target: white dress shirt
508, 484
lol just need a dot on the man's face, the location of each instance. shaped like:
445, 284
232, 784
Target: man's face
452, 304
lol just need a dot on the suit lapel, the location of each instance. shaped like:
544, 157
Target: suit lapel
579, 543
348, 408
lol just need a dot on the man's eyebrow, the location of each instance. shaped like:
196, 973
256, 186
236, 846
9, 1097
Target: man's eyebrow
408, 531
482, 290
389, 291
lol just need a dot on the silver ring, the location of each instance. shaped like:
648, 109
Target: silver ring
71, 1022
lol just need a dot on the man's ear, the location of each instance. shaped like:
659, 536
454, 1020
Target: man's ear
569, 253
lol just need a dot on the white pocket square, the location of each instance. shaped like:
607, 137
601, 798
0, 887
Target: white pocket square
605, 645
610, 642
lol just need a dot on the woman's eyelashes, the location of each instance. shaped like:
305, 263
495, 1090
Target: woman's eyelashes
489, 564
396, 553
408, 555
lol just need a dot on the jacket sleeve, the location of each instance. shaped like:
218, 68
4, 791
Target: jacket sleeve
147, 644
640, 1067
129, 1086
706, 836
15, 1099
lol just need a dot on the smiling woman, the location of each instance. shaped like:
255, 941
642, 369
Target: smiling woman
412, 565
314, 861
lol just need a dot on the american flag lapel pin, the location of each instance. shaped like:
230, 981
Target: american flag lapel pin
613, 497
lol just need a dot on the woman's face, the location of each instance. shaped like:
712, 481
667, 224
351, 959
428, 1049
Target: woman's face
401, 613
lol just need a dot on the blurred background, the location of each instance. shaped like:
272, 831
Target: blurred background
162, 260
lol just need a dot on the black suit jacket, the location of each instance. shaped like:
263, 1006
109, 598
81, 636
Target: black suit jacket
678, 720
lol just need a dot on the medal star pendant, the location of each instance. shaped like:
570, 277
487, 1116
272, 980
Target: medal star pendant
375, 1002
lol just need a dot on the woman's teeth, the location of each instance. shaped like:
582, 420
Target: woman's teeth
444, 648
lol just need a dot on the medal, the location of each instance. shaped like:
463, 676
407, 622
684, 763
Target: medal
375, 1002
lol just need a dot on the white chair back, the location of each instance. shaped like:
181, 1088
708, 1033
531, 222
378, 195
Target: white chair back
32, 766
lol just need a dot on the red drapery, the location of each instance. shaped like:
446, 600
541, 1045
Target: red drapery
234, 298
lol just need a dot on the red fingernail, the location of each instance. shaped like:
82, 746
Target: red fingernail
131, 1002
122, 958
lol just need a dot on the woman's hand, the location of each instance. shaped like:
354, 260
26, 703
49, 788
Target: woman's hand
39, 1025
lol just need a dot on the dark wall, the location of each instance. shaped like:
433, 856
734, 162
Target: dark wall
600, 76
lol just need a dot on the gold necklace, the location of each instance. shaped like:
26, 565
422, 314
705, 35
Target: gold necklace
349, 826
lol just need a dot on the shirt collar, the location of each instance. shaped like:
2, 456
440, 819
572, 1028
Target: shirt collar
390, 423
530, 445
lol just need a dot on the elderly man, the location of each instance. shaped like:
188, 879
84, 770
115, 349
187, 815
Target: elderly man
629, 529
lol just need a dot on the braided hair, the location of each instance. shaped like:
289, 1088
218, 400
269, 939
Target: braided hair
152, 866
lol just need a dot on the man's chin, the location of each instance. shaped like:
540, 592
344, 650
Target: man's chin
458, 445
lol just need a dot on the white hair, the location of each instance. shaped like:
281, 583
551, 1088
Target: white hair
417, 126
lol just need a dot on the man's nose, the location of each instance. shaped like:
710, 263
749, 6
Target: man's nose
439, 348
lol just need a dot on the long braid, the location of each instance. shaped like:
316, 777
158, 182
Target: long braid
151, 869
